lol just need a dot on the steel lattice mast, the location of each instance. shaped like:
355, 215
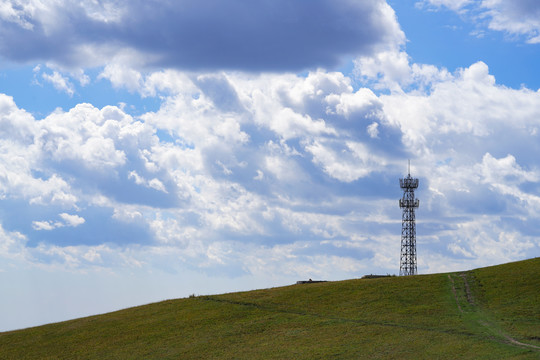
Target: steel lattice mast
407, 264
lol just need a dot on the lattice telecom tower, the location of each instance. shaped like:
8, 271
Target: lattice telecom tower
407, 263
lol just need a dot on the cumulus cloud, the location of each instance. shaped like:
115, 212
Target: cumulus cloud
237, 157
72, 220
263, 170
209, 34
86, 150
427, 120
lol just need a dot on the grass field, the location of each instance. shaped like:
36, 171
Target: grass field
488, 313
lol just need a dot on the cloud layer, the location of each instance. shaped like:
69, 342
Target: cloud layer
244, 173
248, 35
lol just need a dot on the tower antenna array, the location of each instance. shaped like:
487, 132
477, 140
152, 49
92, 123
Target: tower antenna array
407, 264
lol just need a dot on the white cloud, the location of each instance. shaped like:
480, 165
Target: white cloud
67, 220
505, 176
350, 104
87, 135
154, 183
13, 12
392, 70
283, 168
432, 122
15, 124
12, 246
348, 163
19, 158
289, 124
373, 130
60, 82
259, 176
122, 76
456, 5
45, 225
499, 245
72, 220
138, 180
157, 185
519, 17
81, 77
127, 214
515, 17
389, 68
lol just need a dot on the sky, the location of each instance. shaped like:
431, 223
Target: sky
156, 149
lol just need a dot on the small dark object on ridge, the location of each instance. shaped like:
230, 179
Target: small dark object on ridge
310, 281
375, 276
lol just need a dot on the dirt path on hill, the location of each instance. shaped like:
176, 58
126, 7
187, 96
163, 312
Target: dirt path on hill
470, 299
455, 293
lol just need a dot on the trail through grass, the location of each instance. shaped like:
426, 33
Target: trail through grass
474, 316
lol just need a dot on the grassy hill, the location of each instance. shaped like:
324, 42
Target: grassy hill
488, 313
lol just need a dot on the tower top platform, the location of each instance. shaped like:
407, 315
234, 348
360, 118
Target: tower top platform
408, 182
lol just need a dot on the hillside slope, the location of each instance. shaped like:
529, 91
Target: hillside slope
489, 313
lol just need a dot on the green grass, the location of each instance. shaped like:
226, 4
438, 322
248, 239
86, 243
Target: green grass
413, 317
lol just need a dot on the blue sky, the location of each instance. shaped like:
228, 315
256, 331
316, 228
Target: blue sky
153, 149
